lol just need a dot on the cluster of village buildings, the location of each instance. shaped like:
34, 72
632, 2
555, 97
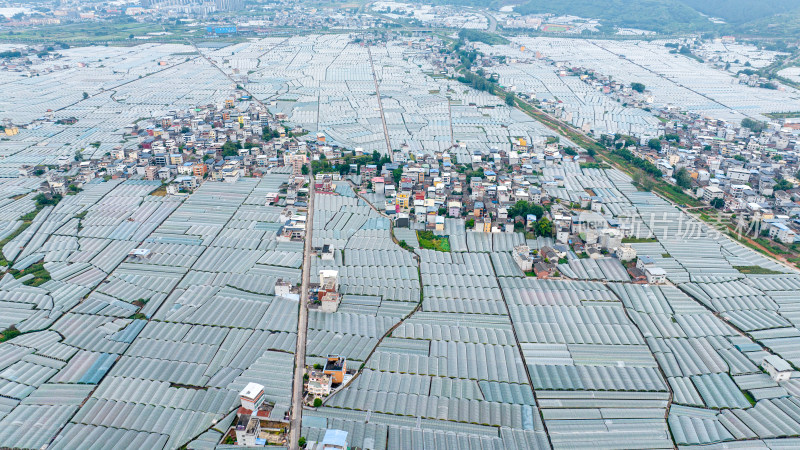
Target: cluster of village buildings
729, 166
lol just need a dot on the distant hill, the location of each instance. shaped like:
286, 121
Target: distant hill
656, 15
760, 17
741, 11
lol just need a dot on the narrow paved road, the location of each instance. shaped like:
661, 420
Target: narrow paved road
230, 77
492, 26
296, 412
389, 151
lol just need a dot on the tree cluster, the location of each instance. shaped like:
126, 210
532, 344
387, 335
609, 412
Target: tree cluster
231, 148
754, 125
510, 99
268, 134
523, 208
481, 36
637, 162
783, 185
654, 144
43, 200
477, 82
683, 179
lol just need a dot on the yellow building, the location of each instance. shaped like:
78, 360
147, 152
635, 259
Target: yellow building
674, 159
403, 200
336, 367
11, 131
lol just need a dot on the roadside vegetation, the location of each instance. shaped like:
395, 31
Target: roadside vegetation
633, 240
9, 333
40, 274
482, 36
756, 270
41, 201
119, 32
430, 241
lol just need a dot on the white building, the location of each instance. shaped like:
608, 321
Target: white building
329, 279
645, 262
737, 190
248, 431
625, 252
655, 275
780, 232
329, 290
610, 238
252, 396
777, 368
319, 384
522, 256
712, 192
562, 235
284, 289
378, 185
739, 175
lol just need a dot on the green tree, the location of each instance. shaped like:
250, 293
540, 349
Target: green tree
85, 95
510, 99
230, 148
268, 134
718, 203
9, 333
302, 442
43, 200
317, 402
682, 178
544, 227
655, 144
469, 224
397, 174
638, 87
783, 185
754, 125
523, 208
